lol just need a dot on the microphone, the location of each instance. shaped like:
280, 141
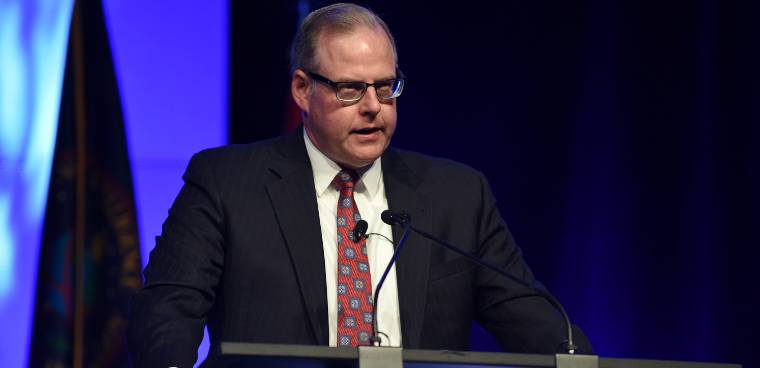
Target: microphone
395, 218
403, 219
360, 230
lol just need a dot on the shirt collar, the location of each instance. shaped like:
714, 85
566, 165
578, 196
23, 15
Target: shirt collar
325, 169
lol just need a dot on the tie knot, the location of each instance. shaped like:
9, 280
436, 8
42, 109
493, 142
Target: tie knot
346, 178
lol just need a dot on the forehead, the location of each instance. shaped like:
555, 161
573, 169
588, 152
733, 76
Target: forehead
361, 51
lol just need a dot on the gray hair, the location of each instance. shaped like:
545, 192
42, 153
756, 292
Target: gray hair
341, 18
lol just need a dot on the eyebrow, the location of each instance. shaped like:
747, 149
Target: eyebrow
374, 81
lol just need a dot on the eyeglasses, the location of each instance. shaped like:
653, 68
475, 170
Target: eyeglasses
385, 90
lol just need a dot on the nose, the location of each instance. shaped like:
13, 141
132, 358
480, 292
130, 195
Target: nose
369, 104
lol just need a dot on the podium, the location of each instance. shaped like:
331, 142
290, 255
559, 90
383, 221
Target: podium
245, 355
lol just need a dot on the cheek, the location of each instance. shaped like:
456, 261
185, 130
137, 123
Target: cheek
390, 120
329, 122
323, 104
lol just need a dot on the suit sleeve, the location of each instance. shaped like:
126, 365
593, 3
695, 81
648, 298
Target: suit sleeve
168, 315
518, 317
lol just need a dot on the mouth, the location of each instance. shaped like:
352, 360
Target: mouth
366, 131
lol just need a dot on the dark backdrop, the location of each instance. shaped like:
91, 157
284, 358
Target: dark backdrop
621, 138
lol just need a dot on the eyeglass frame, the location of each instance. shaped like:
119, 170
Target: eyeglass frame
334, 85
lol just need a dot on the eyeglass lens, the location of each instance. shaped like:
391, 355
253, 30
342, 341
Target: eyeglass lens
351, 91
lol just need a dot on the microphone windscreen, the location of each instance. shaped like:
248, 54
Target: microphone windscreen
394, 218
360, 229
387, 217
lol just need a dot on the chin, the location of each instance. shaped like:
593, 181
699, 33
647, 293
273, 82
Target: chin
357, 162
368, 156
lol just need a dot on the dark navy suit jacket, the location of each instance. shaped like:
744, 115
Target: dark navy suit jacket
241, 251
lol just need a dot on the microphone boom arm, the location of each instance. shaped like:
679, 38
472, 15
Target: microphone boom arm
553, 301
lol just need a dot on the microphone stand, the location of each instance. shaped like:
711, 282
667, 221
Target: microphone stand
553, 301
375, 340
403, 219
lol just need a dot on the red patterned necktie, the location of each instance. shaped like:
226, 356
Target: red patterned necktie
354, 282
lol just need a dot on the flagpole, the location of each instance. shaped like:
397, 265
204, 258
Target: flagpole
81, 177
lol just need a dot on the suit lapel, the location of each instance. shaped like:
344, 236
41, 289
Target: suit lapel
294, 201
412, 268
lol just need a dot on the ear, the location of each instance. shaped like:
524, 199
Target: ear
300, 88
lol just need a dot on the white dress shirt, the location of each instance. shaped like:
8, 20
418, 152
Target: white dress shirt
369, 195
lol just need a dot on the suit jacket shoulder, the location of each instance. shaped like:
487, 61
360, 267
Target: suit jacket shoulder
433, 175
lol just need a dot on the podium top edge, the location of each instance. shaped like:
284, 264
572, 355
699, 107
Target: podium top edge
442, 356
409, 355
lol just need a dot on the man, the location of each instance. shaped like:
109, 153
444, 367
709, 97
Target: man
259, 242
